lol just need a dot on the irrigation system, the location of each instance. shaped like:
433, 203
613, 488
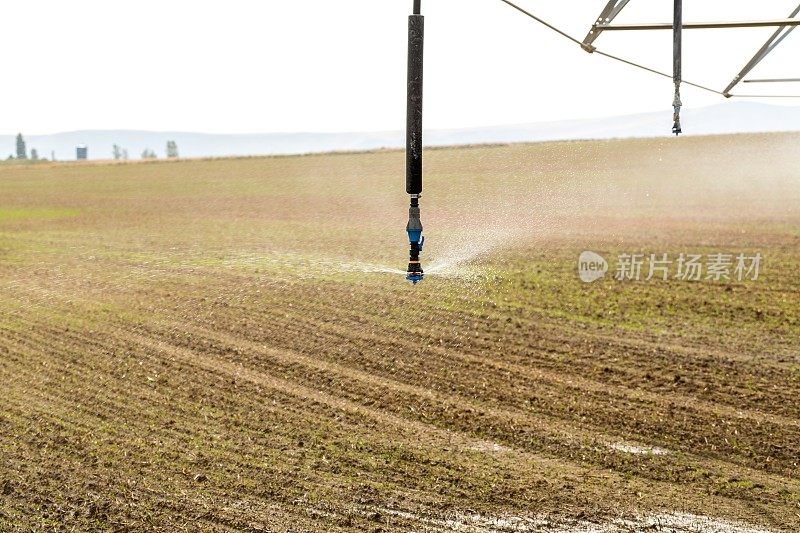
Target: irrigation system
603, 23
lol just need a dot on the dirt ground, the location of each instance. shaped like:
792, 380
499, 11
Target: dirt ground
224, 345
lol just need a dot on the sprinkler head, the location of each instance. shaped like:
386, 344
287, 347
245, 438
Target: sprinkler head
415, 238
415, 277
415, 273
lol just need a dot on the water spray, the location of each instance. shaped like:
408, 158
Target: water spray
416, 40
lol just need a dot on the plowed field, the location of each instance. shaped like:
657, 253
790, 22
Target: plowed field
223, 345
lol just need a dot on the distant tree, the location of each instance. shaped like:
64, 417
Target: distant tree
149, 154
125, 154
22, 151
52, 155
34, 154
117, 152
172, 149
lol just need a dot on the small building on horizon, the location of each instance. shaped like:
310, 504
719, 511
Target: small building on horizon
82, 152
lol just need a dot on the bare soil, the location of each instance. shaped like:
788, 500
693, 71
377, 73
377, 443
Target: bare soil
216, 345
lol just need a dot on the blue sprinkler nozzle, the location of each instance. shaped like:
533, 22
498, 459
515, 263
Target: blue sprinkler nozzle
415, 278
415, 238
415, 273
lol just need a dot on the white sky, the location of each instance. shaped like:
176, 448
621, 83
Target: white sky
324, 65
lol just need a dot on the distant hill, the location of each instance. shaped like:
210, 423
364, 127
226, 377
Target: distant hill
728, 117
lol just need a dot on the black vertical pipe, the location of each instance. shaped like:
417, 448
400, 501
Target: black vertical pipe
416, 39
677, 44
677, 57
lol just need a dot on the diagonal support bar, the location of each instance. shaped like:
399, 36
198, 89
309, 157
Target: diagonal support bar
608, 14
768, 47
